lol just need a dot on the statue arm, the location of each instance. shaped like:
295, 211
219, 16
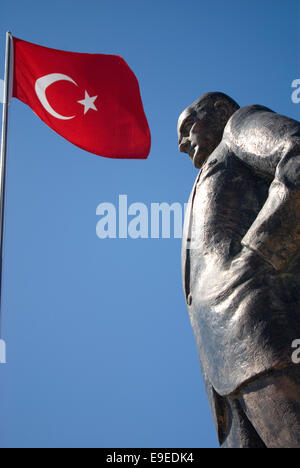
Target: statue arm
275, 234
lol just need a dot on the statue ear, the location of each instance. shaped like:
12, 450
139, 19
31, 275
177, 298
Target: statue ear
221, 107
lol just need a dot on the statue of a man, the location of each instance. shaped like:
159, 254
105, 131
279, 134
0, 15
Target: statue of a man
241, 267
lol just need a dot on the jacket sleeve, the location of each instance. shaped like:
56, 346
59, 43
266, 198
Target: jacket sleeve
275, 234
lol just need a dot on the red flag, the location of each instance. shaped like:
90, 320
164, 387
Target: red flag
92, 100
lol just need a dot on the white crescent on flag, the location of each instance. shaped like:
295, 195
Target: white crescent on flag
41, 86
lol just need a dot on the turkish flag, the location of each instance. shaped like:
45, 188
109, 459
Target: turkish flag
92, 100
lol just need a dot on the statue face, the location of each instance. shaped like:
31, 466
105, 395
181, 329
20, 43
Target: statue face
198, 134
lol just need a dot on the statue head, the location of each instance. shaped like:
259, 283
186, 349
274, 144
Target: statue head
201, 125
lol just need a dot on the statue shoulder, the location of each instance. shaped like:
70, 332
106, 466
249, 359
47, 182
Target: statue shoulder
244, 117
260, 137
255, 118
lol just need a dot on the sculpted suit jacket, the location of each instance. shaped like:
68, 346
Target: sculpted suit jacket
241, 245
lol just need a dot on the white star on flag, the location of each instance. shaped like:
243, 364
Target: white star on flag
88, 102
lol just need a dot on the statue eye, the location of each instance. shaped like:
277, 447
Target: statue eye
187, 127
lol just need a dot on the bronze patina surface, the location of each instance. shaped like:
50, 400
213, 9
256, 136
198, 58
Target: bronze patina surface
241, 267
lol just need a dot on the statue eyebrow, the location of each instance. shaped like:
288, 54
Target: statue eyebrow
189, 119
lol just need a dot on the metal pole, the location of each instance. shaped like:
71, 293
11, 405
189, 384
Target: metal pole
7, 91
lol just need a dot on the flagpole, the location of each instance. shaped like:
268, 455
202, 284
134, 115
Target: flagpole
7, 91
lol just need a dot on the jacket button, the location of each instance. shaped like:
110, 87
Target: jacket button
189, 300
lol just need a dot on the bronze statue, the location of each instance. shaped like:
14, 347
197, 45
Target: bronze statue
241, 267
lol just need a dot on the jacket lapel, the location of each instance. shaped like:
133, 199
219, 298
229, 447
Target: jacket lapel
186, 239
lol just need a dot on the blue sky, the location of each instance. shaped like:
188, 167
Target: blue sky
99, 345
